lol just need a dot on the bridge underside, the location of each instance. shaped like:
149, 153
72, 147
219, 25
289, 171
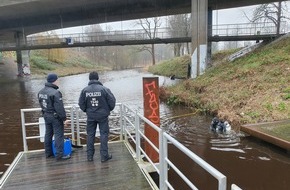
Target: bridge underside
32, 16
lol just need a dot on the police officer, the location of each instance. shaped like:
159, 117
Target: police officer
50, 100
97, 101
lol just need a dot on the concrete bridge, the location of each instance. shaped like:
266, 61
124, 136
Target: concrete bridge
33, 16
20, 18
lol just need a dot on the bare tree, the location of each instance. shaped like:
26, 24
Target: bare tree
150, 27
273, 12
179, 26
92, 34
56, 54
116, 57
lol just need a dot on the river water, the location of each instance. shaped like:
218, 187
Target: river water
247, 162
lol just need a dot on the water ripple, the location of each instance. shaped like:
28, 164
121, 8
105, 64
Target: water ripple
228, 149
264, 158
226, 145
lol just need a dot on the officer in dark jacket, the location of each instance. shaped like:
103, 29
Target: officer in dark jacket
50, 100
97, 101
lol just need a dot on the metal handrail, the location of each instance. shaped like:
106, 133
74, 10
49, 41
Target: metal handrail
126, 123
74, 111
241, 29
162, 33
24, 124
164, 161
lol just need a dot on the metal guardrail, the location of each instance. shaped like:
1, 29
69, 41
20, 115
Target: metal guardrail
131, 119
164, 161
77, 124
242, 29
5, 176
244, 51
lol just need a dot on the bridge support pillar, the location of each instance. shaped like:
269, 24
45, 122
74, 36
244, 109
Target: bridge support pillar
199, 14
209, 30
22, 56
1, 57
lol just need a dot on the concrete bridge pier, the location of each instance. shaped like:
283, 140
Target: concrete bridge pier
22, 56
209, 30
199, 12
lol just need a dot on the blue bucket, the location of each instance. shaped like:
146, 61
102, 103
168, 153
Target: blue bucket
66, 147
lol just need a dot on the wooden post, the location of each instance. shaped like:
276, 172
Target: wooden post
151, 112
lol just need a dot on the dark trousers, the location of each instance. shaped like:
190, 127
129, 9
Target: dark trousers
104, 136
53, 126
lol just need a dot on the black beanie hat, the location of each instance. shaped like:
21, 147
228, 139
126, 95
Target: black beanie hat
94, 76
51, 78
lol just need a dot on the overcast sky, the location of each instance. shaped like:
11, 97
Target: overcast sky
233, 16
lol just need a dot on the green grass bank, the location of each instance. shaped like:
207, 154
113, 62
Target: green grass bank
63, 62
251, 89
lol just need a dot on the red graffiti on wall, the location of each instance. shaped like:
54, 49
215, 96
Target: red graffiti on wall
153, 104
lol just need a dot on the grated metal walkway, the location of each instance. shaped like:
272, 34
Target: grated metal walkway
34, 171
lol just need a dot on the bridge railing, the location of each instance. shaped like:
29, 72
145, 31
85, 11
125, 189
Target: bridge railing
241, 29
95, 37
162, 33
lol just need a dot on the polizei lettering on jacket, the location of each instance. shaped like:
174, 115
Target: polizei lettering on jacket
43, 96
93, 94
